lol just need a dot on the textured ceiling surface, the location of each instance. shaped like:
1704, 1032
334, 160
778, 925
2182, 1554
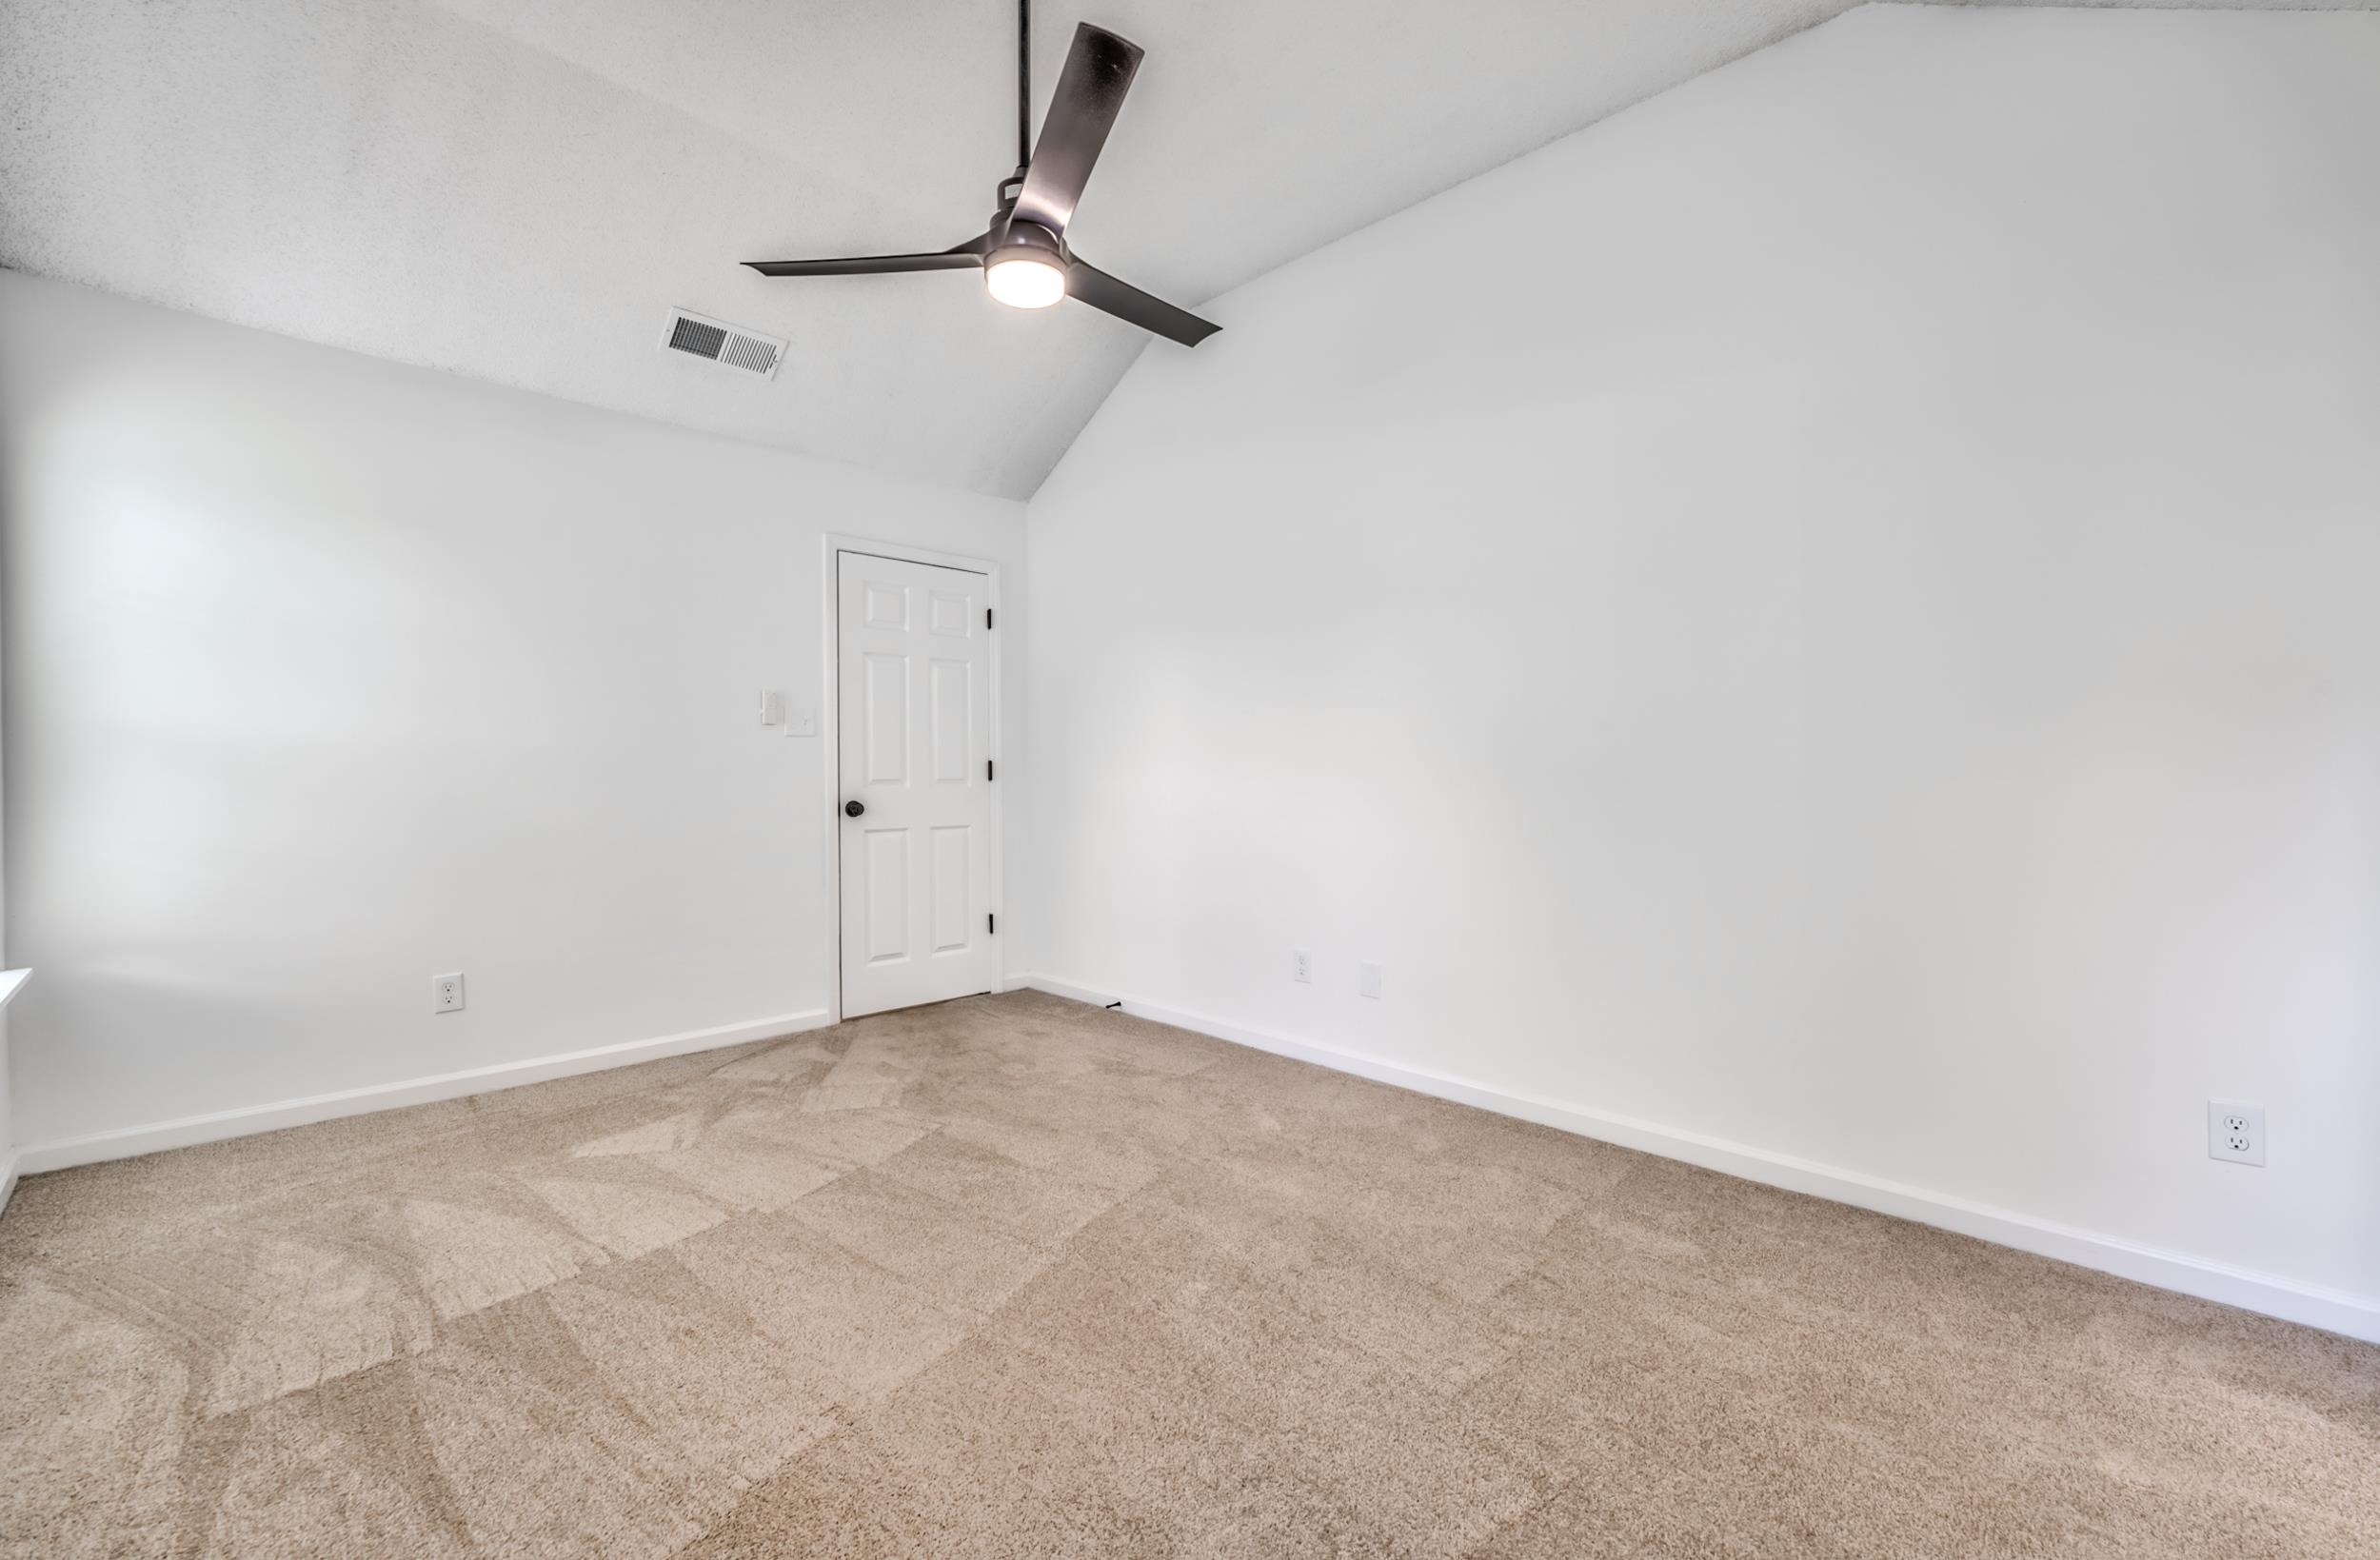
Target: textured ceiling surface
520, 189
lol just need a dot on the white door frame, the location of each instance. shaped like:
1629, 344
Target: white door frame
830, 732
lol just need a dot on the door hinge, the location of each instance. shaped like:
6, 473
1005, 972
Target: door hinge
987, 616
991, 925
987, 769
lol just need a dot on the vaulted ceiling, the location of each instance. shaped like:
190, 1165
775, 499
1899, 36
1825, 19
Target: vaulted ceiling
520, 189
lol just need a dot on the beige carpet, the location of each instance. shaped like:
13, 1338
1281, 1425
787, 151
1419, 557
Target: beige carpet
1013, 1277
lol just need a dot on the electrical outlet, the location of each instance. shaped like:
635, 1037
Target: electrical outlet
1368, 979
2234, 1132
445, 993
1301, 965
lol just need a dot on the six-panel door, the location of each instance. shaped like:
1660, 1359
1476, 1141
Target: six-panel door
914, 709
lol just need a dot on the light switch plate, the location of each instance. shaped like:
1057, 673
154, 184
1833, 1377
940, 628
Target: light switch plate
1367, 979
803, 723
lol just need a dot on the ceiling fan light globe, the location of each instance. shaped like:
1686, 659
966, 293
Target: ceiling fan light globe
1025, 281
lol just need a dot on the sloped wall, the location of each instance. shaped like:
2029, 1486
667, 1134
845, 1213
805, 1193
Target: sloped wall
1837, 611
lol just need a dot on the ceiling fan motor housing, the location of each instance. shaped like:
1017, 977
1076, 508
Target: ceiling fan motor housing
1027, 240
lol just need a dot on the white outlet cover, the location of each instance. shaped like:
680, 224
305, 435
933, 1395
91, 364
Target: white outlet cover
1368, 979
445, 993
2235, 1132
1301, 965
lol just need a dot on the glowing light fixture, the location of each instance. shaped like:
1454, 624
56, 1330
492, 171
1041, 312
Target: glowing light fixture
1022, 279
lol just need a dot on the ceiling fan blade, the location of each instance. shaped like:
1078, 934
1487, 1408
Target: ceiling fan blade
1089, 285
965, 257
1082, 110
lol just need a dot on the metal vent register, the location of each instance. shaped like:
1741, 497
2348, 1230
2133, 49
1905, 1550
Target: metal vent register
728, 346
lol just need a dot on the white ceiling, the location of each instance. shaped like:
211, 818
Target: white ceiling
518, 189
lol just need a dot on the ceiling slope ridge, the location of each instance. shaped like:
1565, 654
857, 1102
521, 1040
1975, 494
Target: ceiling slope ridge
1824, 13
1784, 35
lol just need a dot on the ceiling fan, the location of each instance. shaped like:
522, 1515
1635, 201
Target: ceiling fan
1023, 254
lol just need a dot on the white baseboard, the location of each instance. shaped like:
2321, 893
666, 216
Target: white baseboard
7, 1181
1073, 993
182, 1133
2356, 1315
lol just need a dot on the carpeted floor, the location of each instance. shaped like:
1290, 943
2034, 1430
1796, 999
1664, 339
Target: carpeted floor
1012, 1276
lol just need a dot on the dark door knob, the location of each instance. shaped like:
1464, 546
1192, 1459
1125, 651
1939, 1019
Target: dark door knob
854, 808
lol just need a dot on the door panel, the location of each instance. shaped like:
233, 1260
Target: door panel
954, 756
884, 711
954, 926
914, 707
886, 864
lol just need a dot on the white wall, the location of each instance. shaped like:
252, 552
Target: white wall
1837, 611
7, 1104
8, 1130
326, 675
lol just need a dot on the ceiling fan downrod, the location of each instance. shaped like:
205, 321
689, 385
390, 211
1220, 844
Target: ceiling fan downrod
1025, 86
1012, 186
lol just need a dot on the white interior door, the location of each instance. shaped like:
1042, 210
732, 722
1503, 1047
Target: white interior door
914, 707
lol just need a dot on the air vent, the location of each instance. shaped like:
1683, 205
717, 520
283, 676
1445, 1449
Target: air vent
730, 346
